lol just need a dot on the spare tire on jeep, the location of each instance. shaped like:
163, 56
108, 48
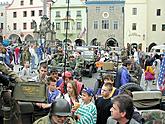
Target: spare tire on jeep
131, 87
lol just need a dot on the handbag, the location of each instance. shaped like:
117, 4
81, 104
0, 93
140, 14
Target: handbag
149, 76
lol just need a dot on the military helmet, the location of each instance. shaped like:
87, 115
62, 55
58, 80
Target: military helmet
60, 107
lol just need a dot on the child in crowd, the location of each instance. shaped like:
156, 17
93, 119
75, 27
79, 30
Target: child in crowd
86, 113
52, 92
108, 79
103, 103
25, 72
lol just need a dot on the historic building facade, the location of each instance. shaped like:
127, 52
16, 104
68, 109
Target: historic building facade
105, 21
19, 19
135, 29
76, 33
2, 19
144, 23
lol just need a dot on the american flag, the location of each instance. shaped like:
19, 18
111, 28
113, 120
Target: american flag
161, 77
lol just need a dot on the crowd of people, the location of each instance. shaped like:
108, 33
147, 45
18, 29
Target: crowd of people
70, 101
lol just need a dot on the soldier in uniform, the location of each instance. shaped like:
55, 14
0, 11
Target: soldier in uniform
4, 68
79, 63
59, 56
60, 113
72, 62
6, 96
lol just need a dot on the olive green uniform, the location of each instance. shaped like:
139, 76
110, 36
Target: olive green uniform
46, 120
72, 64
6, 70
43, 120
79, 64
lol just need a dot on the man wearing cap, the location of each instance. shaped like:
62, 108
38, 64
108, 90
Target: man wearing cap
86, 113
60, 113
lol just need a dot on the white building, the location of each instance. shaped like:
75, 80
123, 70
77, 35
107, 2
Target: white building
20, 14
2, 18
77, 20
144, 23
155, 23
135, 29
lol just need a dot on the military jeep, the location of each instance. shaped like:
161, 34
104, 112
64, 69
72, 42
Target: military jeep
89, 63
151, 104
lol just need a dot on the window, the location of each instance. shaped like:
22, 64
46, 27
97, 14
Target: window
31, 2
105, 24
32, 13
1, 13
134, 11
78, 25
31, 25
1, 26
96, 24
24, 26
158, 13
21, 2
163, 27
14, 26
116, 25
40, 12
154, 27
122, 9
111, 9
69, 13
57, 26
97, 9
24, 13
14, 14
65, 25
133, 26
78, 13
57, 13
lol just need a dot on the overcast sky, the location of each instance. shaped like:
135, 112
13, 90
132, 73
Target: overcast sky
9, 1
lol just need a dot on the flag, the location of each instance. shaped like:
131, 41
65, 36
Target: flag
82, 33
161, 77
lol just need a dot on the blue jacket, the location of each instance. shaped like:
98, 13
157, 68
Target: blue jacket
122, 77
52, 96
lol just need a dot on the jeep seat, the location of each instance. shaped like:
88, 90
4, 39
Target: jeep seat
147, 99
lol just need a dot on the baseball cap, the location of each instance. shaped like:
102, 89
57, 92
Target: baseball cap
89, 91
67, 74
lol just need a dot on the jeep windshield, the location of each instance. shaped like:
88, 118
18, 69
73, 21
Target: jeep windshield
88, 54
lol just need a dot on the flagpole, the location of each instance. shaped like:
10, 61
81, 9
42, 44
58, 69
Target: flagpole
65, 41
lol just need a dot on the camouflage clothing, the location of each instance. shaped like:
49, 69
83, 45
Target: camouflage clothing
6, 70
79, 61
72, 64
59, 58
153, 116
